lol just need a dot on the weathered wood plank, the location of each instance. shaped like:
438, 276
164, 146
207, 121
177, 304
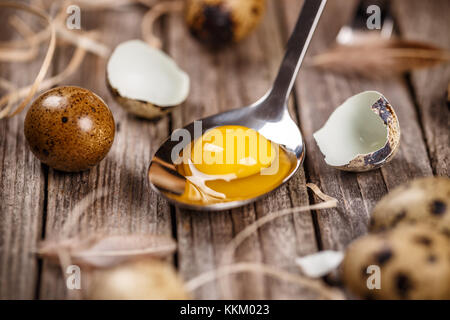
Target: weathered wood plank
22, 183
229, 79
129, 207
318, 94
419, 20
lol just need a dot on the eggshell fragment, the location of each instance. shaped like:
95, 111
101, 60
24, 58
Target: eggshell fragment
361, 135
144, 80
321, 263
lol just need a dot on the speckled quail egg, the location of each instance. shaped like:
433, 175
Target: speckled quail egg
361, 135
69, 128
221, 22
137, 280
424, 200
413, 262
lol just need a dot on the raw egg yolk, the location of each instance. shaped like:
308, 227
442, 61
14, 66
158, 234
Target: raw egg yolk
231, 163
232, 151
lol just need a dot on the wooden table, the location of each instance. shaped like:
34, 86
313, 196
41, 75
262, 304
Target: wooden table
35, 201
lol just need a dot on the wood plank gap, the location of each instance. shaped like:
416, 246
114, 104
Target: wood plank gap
40, 262
314, 213
258, 234
173, 219
415, 102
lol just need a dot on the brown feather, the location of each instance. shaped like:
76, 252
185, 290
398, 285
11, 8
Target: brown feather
379, 58
106, 251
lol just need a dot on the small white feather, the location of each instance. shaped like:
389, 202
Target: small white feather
321, 263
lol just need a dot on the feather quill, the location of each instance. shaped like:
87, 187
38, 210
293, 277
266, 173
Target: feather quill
105, 251
381, 57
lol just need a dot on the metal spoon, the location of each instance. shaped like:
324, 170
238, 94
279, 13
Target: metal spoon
269, 116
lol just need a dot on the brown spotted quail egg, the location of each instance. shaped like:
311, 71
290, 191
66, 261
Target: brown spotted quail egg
362, 134
69, 128
221, 22
424, 200
413, 262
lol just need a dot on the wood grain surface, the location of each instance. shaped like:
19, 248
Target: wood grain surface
430, 86
37, 202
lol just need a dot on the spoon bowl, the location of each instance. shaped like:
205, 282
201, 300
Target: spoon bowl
269, 116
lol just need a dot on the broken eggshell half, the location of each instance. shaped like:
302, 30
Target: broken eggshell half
362, 134
144, 80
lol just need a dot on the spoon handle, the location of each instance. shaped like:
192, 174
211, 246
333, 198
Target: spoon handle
296, 49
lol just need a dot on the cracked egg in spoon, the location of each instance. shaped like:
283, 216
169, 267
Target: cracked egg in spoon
362, 134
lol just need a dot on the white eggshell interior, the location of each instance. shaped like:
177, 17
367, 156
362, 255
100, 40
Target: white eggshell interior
353, 129
140, 72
